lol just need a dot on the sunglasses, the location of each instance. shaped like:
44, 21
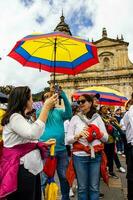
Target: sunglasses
81, 101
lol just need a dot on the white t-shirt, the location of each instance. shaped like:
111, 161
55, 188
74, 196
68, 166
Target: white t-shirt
66, 125
128, 123
20, 131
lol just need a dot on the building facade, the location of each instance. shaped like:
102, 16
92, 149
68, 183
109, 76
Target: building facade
114, 69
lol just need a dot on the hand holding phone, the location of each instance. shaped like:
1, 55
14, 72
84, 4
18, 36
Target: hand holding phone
57, 89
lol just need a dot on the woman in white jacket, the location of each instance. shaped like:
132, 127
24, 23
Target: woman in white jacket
87, 164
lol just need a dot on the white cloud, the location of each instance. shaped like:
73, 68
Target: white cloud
18, 21
116, 16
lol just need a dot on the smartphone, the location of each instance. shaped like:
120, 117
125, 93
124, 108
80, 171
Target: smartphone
57, 89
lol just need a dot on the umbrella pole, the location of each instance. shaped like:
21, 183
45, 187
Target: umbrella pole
55, 57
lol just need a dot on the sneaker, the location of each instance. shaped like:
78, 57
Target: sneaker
101, 195
113, 175
121, 169
71, 194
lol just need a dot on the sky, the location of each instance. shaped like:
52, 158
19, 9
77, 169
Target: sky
86, 18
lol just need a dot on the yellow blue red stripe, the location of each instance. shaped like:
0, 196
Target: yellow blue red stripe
72, 54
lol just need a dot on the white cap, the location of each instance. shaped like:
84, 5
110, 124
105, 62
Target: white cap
3, 106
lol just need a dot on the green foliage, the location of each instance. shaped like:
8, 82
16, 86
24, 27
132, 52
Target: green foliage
37, 96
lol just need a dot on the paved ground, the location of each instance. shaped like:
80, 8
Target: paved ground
117, 187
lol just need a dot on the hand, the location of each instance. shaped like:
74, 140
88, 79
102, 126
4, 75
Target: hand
50, 141
83, 134
50, 102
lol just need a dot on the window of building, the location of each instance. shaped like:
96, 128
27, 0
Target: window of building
106, 62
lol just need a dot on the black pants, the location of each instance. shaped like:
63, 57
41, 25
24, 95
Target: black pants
109, 149
123, 136
68, 148
130, 163
130, 189
29, 187
117, 161
130, 171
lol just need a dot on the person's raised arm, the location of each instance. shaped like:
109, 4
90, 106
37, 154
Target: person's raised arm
48, 104
32, 131
67, 113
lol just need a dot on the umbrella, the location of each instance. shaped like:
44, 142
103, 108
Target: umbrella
55, 52
51, 189
108, 96
3, 98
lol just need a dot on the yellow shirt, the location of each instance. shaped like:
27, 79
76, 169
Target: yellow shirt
110, 139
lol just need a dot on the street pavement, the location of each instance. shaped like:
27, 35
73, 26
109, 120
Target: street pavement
117, 189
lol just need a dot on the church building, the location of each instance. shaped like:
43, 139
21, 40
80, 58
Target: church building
114, 69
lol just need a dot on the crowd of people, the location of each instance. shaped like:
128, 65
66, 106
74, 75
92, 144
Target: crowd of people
89, 139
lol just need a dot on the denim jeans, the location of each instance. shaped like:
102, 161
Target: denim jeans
62, 163
120, 145
88, 176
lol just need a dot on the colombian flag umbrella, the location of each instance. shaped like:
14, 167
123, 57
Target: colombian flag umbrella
51, 189
55, 52
108, 96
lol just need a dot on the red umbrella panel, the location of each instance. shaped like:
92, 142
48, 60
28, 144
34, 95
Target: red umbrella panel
51, 163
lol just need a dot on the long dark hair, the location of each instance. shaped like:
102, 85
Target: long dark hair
92, 108
17, 102
128, 103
